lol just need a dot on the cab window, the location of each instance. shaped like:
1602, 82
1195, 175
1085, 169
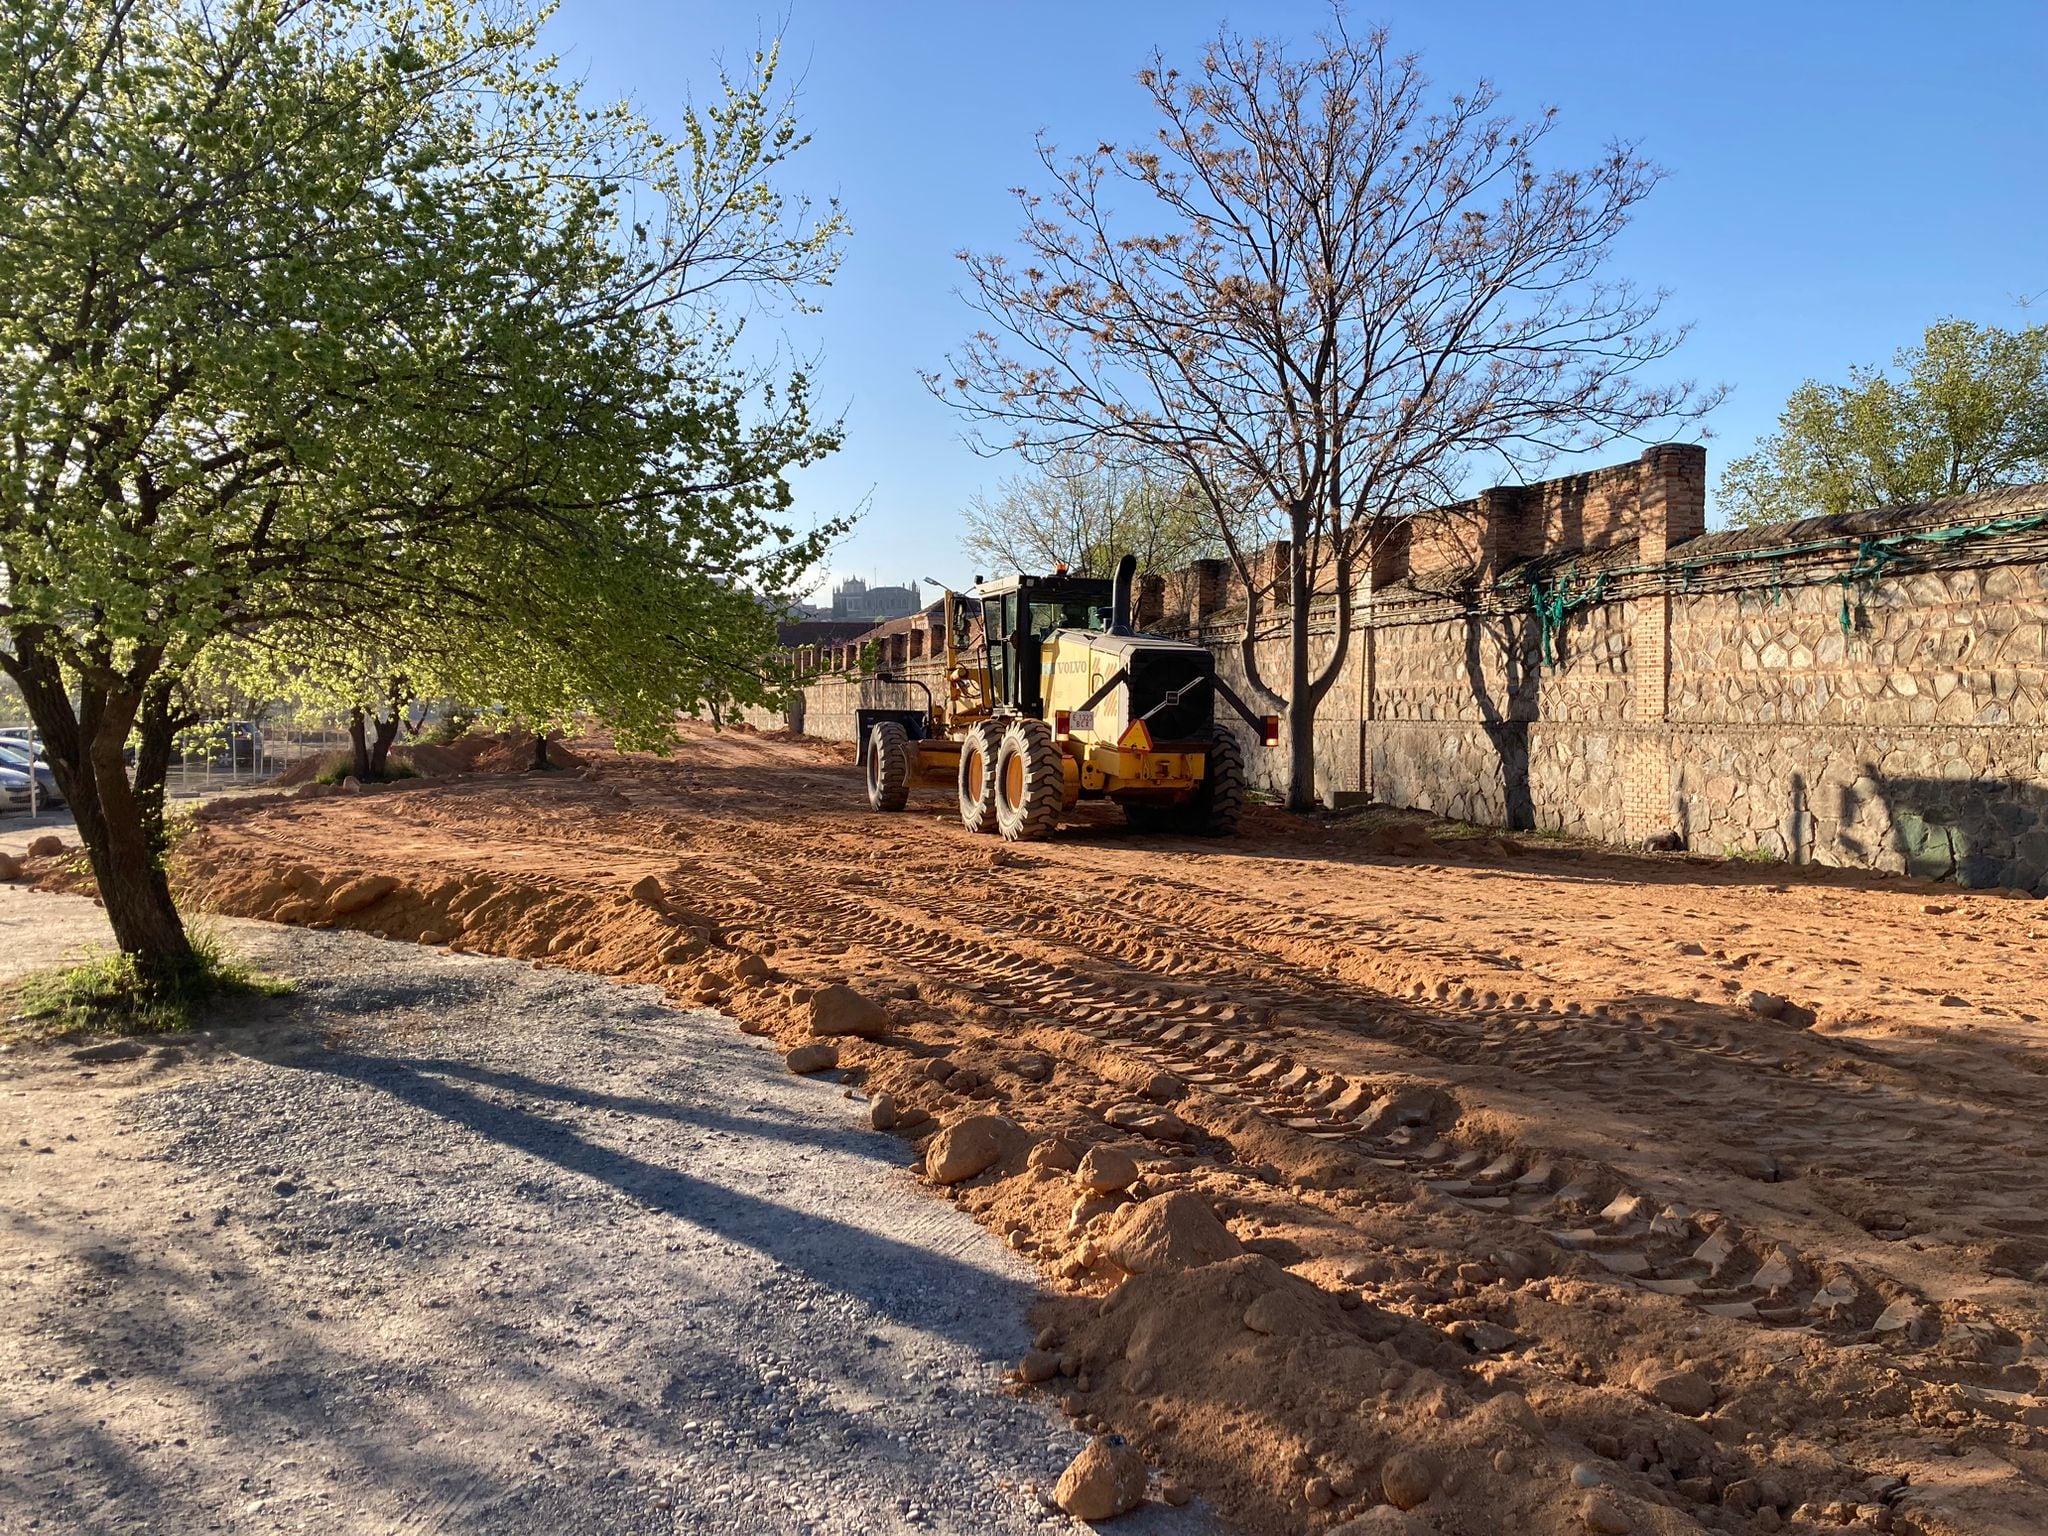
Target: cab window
1072, 613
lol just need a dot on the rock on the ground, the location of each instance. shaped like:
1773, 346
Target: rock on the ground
1106, 1170
815, 1057
1483, 1337
1686, 1392
1039, 1365
1285, 1311
970, 1146
1408, 1478
1164, 1087
1058, 1154
1167, 1232
1106, 1480
10, 867
882, 1113
1601, 1515
48, 846
361, 892
839, 1010
1090, 1206
1147, 1119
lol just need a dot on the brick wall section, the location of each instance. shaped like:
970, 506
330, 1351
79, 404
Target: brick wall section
1712, 692
1670, 509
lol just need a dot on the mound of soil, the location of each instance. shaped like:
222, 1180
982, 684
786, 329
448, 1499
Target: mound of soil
308, 770
1533, 1223
512, 752
476, 752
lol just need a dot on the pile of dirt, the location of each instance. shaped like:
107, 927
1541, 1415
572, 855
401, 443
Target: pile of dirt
631, 937
512, 752
49, 863
1373, 1201
475, 752
1289, 1399
310, 770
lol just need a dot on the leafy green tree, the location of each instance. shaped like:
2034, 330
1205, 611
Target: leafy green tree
1966, 410
354, 316
1086, 511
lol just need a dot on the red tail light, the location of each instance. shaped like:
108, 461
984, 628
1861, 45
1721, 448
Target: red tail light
1061, 718
1272, 730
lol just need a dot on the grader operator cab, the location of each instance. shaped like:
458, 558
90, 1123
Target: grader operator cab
1055, 700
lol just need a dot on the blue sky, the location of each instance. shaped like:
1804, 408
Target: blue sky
1839, 176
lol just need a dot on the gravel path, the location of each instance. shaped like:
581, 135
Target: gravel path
451, 1244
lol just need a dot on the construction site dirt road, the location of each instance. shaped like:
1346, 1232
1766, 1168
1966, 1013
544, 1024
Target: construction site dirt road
1378, 1183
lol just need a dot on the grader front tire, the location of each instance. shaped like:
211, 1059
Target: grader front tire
889, 752
1030, 785
978, 777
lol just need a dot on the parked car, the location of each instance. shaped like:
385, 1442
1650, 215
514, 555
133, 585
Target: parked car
13, 790
17, 755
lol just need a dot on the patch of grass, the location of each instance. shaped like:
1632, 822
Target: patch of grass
1749, 855
394, 770
107, 994
450, 727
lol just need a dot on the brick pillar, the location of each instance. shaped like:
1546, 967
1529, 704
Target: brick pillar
1504, 534
1207, 580
1391, 543
1672, 504
1148, 603
1273, 572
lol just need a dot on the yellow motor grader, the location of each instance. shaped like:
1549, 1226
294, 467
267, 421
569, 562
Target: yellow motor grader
1058, 700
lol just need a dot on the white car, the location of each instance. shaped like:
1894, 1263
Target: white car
18, 756
13, 789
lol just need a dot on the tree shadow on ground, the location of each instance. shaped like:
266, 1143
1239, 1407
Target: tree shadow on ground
895, 1277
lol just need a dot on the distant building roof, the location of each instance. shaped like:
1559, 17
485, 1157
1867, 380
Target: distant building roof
795, 632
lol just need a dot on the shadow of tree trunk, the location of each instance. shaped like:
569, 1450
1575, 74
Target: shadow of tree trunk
1506, 719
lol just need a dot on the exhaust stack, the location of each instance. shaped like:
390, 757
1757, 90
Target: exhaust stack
1120, 595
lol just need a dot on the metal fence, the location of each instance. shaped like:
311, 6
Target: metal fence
233, 758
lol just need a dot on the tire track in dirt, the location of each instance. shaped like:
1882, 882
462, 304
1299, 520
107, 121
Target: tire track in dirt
1734, 1270
1477, 1070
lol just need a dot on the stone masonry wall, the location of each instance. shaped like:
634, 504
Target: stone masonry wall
1916, 741
1701, 684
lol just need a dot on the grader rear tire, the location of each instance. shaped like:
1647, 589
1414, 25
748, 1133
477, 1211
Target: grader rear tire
978, 776
1219, 801
1030, 787
888, 767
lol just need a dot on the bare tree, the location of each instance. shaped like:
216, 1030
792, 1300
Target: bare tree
1085, 511
1323, 288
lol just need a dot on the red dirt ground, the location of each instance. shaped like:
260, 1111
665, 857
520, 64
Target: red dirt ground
1575, 1191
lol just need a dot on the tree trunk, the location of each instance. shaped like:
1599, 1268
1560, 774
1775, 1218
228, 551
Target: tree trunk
84, 745
359, 744
1301, 699
380, 749
157, 726
540, 751
387, 728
